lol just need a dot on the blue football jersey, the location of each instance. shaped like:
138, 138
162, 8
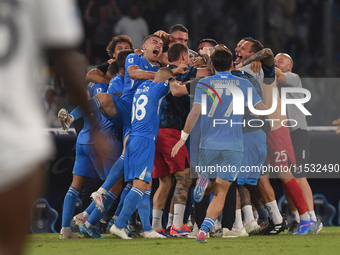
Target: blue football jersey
269, 74
116, 84
191, 74
131, 85
221, 128
146, 109
96, 119
177, 108
247, 115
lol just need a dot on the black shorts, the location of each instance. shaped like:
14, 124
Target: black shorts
300, 141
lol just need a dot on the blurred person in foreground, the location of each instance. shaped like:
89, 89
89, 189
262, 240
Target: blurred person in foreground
38, 25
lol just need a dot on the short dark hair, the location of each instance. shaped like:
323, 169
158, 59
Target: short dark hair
122, 56
222, 59
166, 69
213, 42
113, 68
165, 48
149, 36
117, 39
257, 45
178, 27
176, 50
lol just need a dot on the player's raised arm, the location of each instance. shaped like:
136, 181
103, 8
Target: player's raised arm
138, 74
177, 89
266, 56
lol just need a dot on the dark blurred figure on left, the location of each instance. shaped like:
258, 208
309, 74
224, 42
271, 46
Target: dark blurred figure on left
38, 26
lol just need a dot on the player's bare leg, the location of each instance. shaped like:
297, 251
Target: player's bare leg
220, 191
183, 183
159, 200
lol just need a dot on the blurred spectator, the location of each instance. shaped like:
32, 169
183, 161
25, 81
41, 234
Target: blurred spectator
99, 16
51, 105
279, 15
133, 26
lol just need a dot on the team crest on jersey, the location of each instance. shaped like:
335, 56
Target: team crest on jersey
130, 60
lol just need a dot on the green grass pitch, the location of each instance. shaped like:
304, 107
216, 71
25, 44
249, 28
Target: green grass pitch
326, 242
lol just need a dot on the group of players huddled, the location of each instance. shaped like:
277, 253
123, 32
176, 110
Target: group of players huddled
145, 105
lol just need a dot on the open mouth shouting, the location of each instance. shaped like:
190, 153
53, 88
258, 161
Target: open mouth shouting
155, 53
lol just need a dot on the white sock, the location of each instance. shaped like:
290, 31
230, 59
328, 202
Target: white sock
274, 212
115, 217
296, 216
88, 225
248, 214
178, 215
157, 219
312, 215
238, 219
102, 191
67, 228
170, 220
85, 215
305, 217
256, 215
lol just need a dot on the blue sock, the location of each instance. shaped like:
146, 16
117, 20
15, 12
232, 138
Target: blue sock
78, 112
130, 204
263, 213
122, 197
144, 211
207, 224
70, 201
115, 174
96, 215
90, 208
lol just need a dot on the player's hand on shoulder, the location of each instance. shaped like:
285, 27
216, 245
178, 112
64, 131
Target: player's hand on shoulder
256, 66
238, 66
181, 69
197, 61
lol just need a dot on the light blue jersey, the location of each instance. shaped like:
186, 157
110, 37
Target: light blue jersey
116, 84
221, 128
88, 158
146, 109
130, 85
96, 119
141, 145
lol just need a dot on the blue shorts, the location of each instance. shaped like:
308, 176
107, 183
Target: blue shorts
88, 162
255, 153
223, 164
111, 155
139, 158
123, 118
